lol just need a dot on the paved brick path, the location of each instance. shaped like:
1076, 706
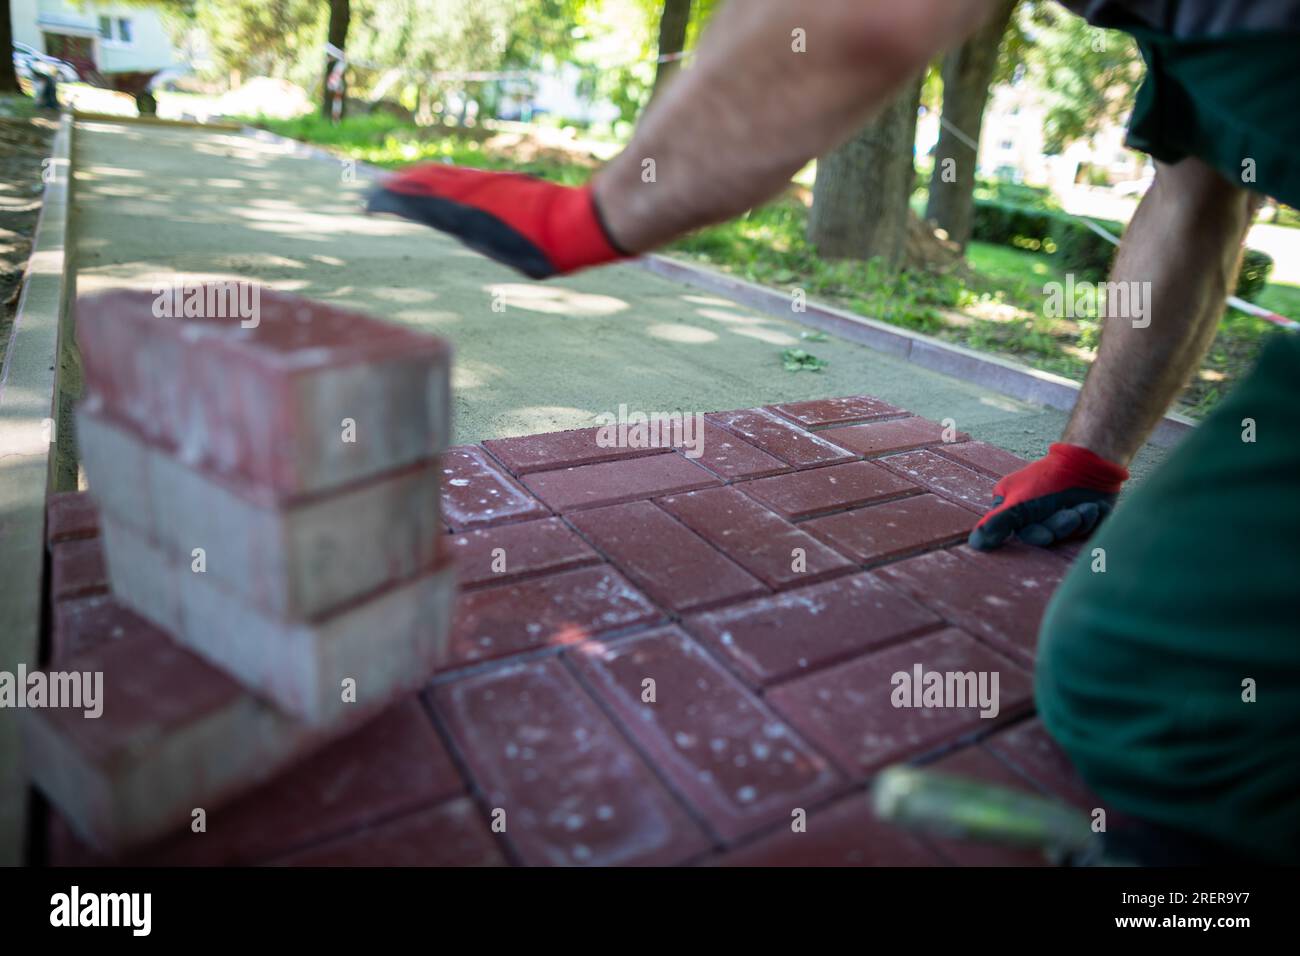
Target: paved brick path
676, 656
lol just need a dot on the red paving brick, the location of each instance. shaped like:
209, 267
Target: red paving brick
450, 834
395, 763
562, 608
731, 458
1028, 748
297, 561
881, 438
81, 623
774, 638
1071, 549
524, 549
894, 529
385, 645
847, 833
573, 791
944, 477
547, 452
615, 482
998, 596
837, 411
477, 492
77, 569
63, 846
760, 541
673, 565
989, 460
781, 438
976, 763
821, 490
170, 726
1018, 558
263, 401
70, 514
167, 686
736, 762
848, 711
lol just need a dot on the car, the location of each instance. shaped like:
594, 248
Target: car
30, 62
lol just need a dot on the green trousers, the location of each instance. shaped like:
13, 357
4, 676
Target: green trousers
1227, 99
1169, 660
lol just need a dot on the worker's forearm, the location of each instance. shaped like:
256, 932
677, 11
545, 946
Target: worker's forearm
753, 108
1179, 259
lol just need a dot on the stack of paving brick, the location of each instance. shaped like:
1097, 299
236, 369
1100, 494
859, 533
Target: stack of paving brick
268, 499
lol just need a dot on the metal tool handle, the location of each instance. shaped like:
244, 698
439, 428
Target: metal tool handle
965, 809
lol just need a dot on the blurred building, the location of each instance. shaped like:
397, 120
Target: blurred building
97, 38
1012, 147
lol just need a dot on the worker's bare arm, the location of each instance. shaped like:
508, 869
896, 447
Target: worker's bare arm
1184, 248
775, 83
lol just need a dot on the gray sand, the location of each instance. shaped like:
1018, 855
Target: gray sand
155, 203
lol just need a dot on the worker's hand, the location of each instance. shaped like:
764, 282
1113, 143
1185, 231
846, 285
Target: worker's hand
1061, 496
540, 228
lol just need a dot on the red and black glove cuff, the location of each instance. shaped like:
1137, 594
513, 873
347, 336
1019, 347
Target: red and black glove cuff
1065, 466
1064, 494
540, 228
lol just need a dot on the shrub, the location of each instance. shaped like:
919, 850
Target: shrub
1081, 250
1255, 269
1007, 224
1077, 248
1016, 194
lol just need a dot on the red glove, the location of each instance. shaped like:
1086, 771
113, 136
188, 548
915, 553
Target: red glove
540, 228
1057, 497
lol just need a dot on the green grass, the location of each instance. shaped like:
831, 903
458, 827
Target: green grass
388, 142
997, 308
1020, 274
17, 106
1282, 298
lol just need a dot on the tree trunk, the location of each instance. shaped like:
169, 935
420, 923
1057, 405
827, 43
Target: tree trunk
967, 73
340, 18
860, 198
672, 39
8, 78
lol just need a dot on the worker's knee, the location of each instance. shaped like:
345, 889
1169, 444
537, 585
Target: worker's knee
1065, 669
1093, 675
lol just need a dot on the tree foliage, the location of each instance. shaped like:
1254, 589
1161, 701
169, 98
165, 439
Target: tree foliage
280, 38
1087, 76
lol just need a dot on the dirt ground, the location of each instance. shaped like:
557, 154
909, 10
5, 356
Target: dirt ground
23, 144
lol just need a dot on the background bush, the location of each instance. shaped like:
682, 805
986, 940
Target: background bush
1255, 269
1079, 249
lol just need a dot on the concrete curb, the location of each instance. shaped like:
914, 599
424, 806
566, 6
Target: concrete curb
28, 451
91, 116
988, 371
295, 147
